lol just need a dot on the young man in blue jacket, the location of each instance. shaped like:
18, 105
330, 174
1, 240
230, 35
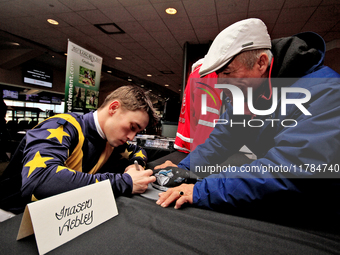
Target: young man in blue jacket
297, 143
68, 151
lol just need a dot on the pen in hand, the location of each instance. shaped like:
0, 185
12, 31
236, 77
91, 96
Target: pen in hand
136, 165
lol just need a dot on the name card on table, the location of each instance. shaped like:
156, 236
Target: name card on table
58, 219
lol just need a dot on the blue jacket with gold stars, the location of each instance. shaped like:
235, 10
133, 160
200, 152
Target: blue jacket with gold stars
66, 152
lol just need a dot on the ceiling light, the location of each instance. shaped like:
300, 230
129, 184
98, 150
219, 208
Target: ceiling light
149, 75
16, 44
150, 89
53, 22
119, 58
166, 85
142, 86
109, 71
171, 11
129, 79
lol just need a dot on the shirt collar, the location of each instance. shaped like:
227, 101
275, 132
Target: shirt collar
96, 122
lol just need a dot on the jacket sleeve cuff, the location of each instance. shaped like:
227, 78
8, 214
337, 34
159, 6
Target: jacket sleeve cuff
185, 163
122, 185
196, 193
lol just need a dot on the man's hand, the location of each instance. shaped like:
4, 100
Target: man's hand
140, 179
165, 164
183, 194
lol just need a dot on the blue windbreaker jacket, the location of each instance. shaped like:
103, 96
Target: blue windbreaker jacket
296, 165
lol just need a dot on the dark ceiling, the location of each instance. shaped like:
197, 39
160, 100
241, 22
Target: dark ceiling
153, 41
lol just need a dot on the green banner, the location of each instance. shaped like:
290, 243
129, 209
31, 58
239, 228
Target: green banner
83, 71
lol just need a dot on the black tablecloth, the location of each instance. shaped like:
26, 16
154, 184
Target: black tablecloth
142, 227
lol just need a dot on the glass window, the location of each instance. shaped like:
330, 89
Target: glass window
44, 107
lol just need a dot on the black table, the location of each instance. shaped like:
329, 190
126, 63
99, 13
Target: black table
142, 227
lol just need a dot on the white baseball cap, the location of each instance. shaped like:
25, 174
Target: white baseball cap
248, 34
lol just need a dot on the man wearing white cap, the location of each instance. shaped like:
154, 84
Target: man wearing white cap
295, 162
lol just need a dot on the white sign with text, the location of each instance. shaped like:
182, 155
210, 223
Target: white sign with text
59, 219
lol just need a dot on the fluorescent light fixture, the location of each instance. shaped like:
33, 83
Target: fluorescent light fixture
110, 28
32, 91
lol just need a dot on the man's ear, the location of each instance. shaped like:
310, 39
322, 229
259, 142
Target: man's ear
114, 106
263, 62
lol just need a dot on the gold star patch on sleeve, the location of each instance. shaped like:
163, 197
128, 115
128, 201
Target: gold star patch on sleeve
126, 154
33, 198
57, 133
36, 162
60, 168
140, 154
